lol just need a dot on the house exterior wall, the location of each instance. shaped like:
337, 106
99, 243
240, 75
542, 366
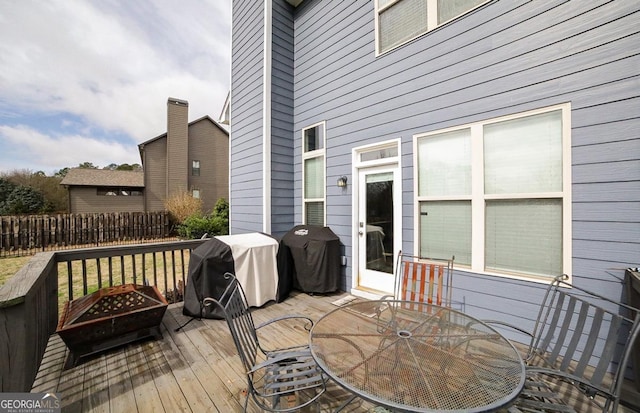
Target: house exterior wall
247, 120
504, 58
209, 145
84, 200
155, 174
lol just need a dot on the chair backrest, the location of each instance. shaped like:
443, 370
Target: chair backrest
583, 335
233, 303
424, 280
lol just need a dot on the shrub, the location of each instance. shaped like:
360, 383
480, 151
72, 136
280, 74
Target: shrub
182, 206
217, 223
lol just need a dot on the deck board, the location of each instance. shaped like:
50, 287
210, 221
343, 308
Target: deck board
195, 369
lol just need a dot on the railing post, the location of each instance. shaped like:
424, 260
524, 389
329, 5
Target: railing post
28, 316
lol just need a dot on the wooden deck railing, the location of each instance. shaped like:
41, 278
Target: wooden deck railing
30, 300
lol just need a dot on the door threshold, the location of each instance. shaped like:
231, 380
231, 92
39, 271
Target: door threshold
367, 293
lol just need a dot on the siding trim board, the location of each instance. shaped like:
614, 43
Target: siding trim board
266, 118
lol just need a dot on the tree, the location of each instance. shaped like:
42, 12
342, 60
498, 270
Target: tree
87, 165
24, 200
6, 187
55, 195
62, 172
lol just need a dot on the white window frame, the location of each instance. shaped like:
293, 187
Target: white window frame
432, 21
478, 197
318, 153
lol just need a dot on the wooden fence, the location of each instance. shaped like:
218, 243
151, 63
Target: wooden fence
26, 235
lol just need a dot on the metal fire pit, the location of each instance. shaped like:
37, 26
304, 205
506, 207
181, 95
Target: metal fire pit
110, 317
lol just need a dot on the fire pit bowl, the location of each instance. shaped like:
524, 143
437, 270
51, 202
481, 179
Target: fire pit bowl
110, 317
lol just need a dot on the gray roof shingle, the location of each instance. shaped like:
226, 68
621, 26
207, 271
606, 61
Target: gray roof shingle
103, 177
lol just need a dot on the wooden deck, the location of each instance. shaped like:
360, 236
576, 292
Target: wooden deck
196, 369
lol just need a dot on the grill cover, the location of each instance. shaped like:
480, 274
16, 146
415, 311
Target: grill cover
315, 254
207, 266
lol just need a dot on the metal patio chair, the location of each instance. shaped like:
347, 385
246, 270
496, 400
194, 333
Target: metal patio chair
276, 379
581, 345
422, 280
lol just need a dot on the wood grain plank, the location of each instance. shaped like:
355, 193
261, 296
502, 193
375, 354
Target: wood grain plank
48, 378
145, 392
122, 397
168, 388
189, 385
95, 393
189, 346
71, 388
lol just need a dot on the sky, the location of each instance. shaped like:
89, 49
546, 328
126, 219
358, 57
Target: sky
87, 81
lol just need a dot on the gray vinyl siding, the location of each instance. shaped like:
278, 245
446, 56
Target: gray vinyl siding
282, 137
246, 140
503, 58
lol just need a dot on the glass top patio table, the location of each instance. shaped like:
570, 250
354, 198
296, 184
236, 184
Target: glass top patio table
417, 357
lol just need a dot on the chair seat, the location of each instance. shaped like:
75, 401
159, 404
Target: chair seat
540, 396
287, 372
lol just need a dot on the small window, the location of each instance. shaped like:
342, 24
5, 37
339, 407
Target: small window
313, 172
195, 193
195, 168
399, 21
114, 191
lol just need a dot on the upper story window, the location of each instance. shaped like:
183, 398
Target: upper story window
313, 172
398, 21
497, 194
195, 168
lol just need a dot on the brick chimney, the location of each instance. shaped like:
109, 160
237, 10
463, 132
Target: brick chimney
177, 146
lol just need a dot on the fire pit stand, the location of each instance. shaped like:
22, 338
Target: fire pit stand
110, 317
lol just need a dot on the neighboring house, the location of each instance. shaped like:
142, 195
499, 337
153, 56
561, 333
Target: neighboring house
506, 133
102, 191
191, 157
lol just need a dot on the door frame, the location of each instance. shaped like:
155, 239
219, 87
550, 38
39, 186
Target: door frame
392, 161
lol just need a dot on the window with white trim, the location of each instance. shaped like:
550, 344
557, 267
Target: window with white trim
398, 21
497, 194
313, 172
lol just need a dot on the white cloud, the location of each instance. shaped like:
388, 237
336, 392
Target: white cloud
33, 150
114, 63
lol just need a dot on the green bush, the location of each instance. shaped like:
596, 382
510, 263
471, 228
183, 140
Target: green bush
18, 199
217, 223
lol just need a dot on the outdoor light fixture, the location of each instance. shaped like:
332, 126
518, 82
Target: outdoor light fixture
342, 181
